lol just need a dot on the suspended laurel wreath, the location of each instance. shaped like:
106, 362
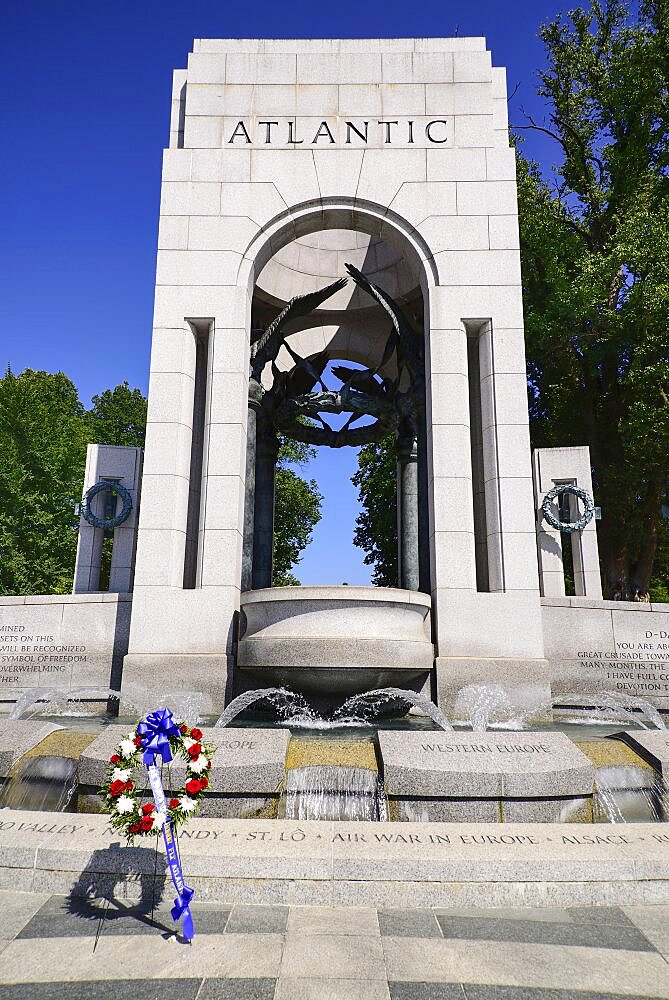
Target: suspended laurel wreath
107, 522
549, 513
123, 801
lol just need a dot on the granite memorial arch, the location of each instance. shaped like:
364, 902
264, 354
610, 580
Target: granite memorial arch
288, 160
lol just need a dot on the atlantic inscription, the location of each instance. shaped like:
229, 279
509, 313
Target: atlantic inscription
337, 131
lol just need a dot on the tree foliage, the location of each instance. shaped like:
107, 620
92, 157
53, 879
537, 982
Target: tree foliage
376, 525
595, 252
42, 458
297, 510
118, 416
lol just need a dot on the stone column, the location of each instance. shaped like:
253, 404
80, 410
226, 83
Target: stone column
255, 400
267, 449
407, 514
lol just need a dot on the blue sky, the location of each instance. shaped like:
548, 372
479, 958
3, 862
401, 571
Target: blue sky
84, 118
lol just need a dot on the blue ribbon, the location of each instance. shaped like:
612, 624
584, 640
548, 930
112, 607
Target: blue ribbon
184, 892
155, 731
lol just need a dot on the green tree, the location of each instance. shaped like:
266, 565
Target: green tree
297, 510
595, 253
376, 525
42, 457
118, 416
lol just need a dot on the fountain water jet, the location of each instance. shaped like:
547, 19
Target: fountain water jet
616, 706
376, 699
290, 706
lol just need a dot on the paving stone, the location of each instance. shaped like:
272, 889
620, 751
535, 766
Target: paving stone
333, 920
121, 989
409, 923
257, 920
653, 921
552, 914
66, 917
157, 956
426, 991
514, 964
616, 936
336, 957
17, 908
598, 915
237, 989
332, 989
516, 993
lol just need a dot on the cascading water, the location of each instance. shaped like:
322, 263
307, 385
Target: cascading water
332, 792
46, 783
625, 793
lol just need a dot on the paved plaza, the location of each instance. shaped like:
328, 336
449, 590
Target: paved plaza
318, 953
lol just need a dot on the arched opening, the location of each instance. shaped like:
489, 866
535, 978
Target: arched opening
337, 360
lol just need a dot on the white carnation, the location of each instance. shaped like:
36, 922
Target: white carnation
127, 748
120, 774
187, 804
124, 804
188, 742
199, 765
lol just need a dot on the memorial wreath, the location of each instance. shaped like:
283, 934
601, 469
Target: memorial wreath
158, 735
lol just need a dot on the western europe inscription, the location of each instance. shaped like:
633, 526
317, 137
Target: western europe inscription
490, 765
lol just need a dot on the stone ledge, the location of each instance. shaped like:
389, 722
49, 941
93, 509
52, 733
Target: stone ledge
17, 736
246, 760
363, 863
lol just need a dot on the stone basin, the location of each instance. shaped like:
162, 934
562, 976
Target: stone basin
334, 642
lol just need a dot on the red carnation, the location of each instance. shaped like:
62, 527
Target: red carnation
116, 788
135, 828
115, 759
204, 782
208, 763
137, 741
174, 803
183, 730
195, 751
146, 822
129, 786
148, 808
193, 787
196, 734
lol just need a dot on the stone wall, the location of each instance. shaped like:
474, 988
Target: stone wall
62, 641
617, 646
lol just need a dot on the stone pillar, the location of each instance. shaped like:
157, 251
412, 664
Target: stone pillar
407, 514
267, 449
255, 401
115, 464
552, 466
